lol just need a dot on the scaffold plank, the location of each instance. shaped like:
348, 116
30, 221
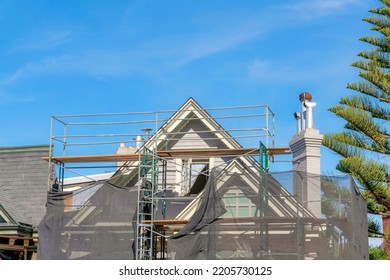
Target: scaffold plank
169, 154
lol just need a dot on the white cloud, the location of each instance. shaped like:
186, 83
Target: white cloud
28, 69
171, 52
44, 41
216, 42
94, 63
309, 9
260, 69
285, 71
6, 97
152, 60
268, 70
230, 35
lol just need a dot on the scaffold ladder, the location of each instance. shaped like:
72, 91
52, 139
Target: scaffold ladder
147, 204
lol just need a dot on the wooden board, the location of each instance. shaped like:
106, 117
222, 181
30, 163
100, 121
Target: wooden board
179, 153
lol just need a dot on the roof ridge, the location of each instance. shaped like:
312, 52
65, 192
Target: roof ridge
21, 149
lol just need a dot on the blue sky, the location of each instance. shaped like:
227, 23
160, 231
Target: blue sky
70, 57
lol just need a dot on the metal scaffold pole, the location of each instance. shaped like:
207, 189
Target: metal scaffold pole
264, 197
147, 194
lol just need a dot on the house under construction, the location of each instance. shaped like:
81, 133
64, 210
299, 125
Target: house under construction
190, 188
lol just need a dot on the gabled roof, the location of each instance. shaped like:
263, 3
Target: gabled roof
23, 183
189, 111
283, 204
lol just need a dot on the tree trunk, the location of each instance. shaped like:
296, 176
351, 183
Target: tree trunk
386, 232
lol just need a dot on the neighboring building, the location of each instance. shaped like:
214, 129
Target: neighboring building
206, 197
23, 196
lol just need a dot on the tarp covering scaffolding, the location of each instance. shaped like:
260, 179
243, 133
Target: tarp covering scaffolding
92, 223
238, 215
275, 225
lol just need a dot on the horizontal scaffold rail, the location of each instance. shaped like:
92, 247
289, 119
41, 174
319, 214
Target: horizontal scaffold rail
290, 220
169, 154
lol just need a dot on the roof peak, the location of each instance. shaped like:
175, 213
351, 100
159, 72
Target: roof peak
21, 149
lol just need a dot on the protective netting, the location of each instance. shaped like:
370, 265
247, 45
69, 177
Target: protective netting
240, 214
263, 220
92, 223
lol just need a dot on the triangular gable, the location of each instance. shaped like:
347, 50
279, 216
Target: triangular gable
190, 111
5, 218
247, 181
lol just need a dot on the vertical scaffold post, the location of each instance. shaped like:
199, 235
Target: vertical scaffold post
147, 194
164, 189
263, 196
264, 168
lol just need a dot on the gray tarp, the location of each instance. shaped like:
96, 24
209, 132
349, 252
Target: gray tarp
92, 223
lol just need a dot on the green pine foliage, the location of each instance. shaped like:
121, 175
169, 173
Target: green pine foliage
374, 228
364, 143
376, 253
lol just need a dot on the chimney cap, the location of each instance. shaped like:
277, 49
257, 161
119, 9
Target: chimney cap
305, 96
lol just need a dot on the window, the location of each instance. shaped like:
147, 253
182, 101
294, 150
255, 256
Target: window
238, 205
193, 176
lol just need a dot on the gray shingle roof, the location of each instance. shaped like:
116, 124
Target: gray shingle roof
11, 209
23, 182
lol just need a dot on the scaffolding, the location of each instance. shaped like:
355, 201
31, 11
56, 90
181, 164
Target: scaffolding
91, 138
153, 173
150, 168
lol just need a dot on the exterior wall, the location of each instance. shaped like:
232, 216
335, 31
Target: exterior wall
191, 136
124, 150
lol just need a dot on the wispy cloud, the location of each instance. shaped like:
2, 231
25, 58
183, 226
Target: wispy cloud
44, 41
309, 9
304, 70
267, 70
151, 60
6, 97
213, 43
105, 63
29, 69
94, 63
254, 24
168, 53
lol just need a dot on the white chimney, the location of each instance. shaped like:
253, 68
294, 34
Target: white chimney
310, 114
123, 150
138, 142
305, 119
298, 117
305, 147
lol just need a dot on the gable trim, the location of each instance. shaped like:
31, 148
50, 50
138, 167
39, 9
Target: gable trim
6, 216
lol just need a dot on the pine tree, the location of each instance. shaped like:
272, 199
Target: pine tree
364, 143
